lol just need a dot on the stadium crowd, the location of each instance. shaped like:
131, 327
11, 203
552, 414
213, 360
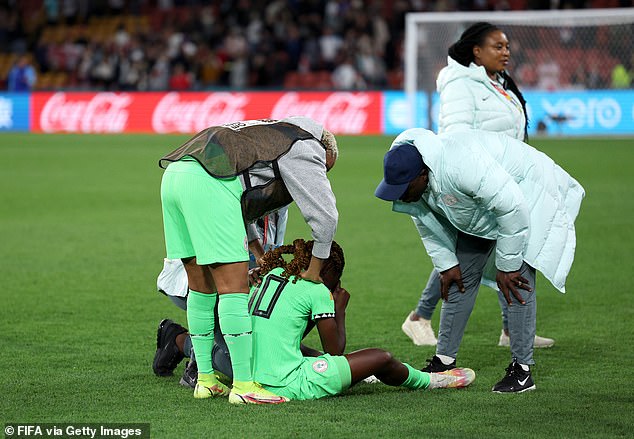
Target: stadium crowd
198, 45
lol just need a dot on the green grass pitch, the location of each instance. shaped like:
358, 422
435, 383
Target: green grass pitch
81, 246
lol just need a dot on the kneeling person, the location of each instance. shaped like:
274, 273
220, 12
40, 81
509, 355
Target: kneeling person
283, 311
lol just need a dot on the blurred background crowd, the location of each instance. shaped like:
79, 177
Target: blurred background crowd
245, 44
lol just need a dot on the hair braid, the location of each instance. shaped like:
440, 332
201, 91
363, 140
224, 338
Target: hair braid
302, 252
510, 84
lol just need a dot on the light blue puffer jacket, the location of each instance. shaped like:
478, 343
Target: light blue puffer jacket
495, 187
469, 99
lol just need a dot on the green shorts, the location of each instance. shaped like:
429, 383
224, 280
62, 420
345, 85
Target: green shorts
317, 377
202, 216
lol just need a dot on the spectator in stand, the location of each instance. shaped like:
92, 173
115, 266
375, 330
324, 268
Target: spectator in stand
346, 76
22, 76
621, 76
292, 36
548, 73
578, 77
180, 80
236, 48
121, 37
370, 65
593, 78
329, 45
104, 71
527, 75
160, 74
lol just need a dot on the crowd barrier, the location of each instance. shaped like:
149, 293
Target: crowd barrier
570, 113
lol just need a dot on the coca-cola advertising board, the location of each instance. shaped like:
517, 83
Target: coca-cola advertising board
174, 112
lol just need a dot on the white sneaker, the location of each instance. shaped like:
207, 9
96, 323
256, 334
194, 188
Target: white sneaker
371, 380
420, 331
540, 342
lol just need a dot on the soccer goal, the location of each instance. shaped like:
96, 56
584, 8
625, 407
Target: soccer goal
551, 51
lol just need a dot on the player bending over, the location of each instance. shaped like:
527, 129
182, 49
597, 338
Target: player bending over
284, 307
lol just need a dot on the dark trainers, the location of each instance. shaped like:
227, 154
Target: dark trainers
190, 375
167, 354
436, 365
517, 380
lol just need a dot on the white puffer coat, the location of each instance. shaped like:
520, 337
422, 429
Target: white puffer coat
469, 99
494, 187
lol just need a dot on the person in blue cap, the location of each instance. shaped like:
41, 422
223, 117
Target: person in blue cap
491, 209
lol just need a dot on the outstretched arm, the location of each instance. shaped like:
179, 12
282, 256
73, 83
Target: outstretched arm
303, 170
314, 270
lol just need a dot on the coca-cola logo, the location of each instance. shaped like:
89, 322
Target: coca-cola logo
175, 115
102, 113
339, 112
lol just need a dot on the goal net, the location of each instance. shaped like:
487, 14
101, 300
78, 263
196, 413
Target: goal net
551, 51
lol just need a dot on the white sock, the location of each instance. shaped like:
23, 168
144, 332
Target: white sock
445, 359
525, 367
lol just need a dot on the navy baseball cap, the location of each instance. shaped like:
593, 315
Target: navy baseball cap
401, 165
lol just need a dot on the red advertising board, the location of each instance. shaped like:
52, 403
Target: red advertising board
174, 112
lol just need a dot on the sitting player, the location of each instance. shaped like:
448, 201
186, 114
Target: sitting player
173, 342
284, 307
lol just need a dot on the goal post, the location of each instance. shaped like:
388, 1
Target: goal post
551, 51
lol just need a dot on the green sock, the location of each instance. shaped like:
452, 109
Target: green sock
416, 379
200, 318
235, 324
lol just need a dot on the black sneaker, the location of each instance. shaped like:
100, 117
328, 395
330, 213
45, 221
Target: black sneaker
436, 365
517, 380
190, 374
167, 354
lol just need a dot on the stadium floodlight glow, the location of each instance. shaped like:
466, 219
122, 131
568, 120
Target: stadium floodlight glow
567, 36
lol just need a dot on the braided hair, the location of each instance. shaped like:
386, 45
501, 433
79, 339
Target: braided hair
462, 52
301, 251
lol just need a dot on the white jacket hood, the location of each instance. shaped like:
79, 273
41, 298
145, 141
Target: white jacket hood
454, 70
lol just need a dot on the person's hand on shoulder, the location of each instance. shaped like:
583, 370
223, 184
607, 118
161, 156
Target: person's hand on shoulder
311, 277
313, 273
254, 277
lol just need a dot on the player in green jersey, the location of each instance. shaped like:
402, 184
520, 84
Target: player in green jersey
284, 308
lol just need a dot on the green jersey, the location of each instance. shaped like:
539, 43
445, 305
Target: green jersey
280, 311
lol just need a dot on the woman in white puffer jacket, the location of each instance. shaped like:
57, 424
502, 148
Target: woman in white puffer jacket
476, 92
471, 97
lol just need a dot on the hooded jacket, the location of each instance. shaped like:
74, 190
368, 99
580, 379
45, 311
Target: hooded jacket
264, 152
469, 99
495, 187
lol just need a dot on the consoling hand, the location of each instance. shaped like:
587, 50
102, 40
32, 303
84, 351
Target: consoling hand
509, 282
254, 276
313, 273
311, 277
449, 277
